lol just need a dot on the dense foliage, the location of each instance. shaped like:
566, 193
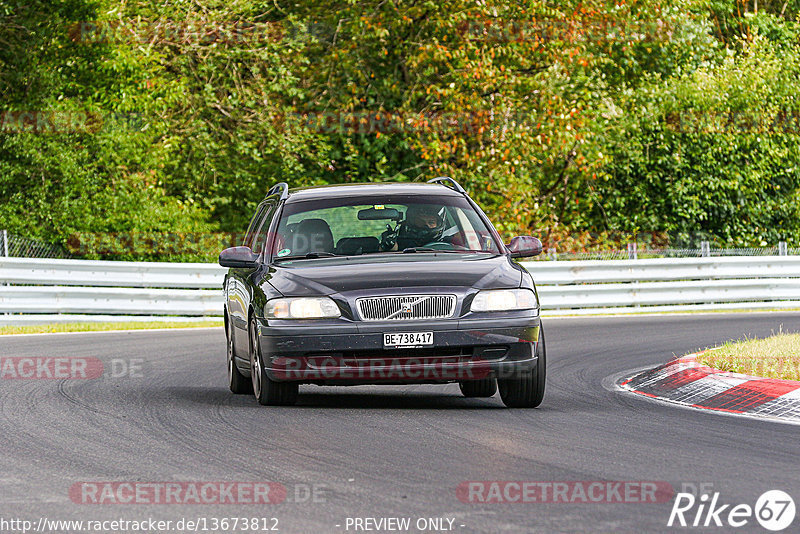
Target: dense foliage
150, 130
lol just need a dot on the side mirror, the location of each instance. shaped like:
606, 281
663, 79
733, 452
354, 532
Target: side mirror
238, 257
524, 246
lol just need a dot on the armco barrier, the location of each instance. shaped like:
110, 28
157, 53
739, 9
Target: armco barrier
45, 290
49, 290
667, 284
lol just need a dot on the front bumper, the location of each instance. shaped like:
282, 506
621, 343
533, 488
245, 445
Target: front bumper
349, 353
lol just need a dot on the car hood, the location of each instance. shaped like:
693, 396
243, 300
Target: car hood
327, 276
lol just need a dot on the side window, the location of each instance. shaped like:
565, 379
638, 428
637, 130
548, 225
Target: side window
255, 224
262, 234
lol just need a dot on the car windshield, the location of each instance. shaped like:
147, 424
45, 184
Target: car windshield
380, 225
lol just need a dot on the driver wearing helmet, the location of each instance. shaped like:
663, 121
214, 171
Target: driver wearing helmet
422, 225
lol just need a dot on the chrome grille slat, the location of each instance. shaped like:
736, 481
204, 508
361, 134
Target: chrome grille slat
395, 307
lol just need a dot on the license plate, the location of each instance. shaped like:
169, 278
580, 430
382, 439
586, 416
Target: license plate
407, 339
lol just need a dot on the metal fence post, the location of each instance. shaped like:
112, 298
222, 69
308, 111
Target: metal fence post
5, 253
632, 251
705, 249
783, 250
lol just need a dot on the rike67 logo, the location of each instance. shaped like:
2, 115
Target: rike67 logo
774, 510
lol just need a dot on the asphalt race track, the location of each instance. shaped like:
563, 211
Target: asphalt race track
384, 451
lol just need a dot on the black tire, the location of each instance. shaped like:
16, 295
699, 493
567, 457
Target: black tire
267, 391
485, 387
526, 390
238, 383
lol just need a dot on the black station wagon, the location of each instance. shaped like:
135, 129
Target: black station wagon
381, 283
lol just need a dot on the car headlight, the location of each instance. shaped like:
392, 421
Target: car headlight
504, 300
302, 308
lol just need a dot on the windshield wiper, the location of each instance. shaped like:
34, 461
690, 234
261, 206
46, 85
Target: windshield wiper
437, 250
418, 249
309, 256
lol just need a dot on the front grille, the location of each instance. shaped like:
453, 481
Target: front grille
406, 307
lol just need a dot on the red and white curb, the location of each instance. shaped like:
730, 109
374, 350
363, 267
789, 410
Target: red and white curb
688, 382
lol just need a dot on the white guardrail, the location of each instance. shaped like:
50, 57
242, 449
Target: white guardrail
48, 290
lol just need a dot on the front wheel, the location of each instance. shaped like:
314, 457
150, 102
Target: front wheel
267, 391
526, 390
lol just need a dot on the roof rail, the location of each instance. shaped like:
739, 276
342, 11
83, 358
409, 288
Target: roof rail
448, 182
282, 188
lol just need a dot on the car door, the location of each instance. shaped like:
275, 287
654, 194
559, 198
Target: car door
234, 290
242, 279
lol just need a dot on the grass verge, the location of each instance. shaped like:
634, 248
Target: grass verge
100, 327
777, 356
